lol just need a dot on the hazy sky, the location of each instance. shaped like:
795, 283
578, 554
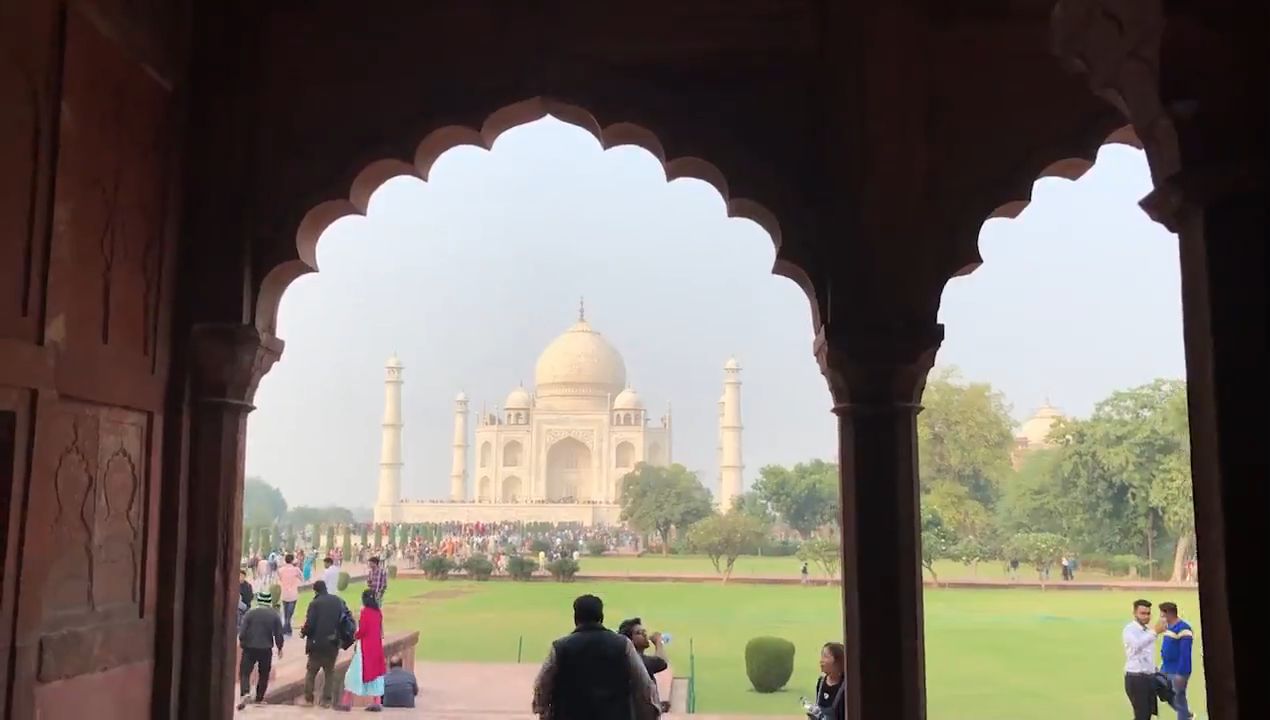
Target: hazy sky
470, 275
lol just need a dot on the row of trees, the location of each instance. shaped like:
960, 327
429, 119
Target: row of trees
1109, 489
1114, 485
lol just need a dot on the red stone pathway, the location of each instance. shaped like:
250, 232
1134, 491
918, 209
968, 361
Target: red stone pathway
448, 691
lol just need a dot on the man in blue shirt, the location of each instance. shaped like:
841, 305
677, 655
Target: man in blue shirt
1175, 654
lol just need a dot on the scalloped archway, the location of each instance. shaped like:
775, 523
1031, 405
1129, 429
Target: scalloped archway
1068, 168
374, 175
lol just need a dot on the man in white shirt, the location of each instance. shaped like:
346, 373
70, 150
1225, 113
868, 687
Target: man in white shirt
1139, 660
331, 574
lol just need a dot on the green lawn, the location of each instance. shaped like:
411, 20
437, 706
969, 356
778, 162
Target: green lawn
990, 654
779, 567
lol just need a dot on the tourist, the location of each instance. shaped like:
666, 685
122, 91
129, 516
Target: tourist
803, 572
262, 573
640, 638
1175, 656
261, 629
245, 591
308, 565
593, 673
1139, 668
289, 579
321, 631
1067, 568
831, 698
365, 675
377, 580
400, 686
331, 573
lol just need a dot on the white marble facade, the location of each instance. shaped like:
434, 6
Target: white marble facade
556, 453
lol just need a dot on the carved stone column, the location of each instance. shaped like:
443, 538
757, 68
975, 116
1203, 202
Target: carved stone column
226, 365
1222, 239
877, 377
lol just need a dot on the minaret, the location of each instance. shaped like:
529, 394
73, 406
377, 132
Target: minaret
458, 466
390, 447
730, 467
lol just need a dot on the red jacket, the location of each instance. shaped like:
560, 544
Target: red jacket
370, 632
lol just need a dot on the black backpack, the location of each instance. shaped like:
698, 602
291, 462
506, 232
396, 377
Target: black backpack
1164, 688
346, 635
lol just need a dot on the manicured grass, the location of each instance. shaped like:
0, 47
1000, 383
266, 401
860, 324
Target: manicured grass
780, 567
990, 654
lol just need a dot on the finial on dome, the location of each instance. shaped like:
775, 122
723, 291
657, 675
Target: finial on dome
581, 309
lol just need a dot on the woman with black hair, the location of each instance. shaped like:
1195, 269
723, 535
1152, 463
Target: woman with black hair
831, 701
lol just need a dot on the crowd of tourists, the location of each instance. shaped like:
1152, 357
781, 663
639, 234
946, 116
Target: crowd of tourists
328, 628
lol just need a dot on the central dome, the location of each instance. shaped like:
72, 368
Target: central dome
580, 363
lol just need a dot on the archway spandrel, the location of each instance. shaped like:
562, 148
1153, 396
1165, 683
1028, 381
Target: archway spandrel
278, 275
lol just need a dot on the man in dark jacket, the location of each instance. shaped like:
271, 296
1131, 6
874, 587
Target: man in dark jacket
400, 686
594, 673
322, 643
261, 630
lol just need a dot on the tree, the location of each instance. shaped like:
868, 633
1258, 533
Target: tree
964, 437
938, 540
330, 539
723, 537
655, 499
1127, 470
804, 496
1040, 550
749, 503
263, 503
823, 552
348, 545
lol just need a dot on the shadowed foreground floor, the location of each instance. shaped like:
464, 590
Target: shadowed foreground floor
447, 691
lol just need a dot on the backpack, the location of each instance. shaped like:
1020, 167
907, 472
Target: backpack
346, 635
1164, 688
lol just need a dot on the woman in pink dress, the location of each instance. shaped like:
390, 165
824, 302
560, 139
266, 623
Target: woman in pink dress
366, 672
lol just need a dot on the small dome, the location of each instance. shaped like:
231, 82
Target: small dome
461, 397
518, 399
732, 364
1036, 429
628, 399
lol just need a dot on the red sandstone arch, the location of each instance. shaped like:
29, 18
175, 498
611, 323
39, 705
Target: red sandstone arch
1069, 168
437, 142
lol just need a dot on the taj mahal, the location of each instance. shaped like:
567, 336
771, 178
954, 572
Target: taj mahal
556, 452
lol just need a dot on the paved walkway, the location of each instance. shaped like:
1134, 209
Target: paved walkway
447, 691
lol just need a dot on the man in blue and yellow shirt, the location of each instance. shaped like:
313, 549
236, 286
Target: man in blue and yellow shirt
1175, 654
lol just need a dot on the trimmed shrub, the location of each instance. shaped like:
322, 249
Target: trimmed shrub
478, 567
769, 663
596, 548
392, 571
569, 547
520, 567
563, 569
437, 567
342, 584
539, 545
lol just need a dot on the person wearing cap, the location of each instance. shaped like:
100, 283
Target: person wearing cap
261, 630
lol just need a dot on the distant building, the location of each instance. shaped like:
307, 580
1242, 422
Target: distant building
1034, 433
557, 453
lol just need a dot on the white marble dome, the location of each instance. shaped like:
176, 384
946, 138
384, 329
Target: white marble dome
628, 399
518, 399
1036, 429
579, 363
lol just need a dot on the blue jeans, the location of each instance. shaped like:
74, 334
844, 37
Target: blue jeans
1179, 696
288, 609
